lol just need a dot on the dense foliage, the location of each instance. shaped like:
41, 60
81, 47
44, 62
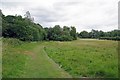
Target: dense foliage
61, 34
26, 30
111, 35
21, 28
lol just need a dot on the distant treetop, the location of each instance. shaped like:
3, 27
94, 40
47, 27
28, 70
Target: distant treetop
28, 16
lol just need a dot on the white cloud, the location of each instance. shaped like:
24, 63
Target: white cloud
84, 14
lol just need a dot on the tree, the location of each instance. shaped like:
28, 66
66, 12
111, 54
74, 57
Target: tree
28, 16
66, 30
101, 34
1, 15
73, 33
18, 27
94, 33
26, 30
59, 34
56, 32
84, 34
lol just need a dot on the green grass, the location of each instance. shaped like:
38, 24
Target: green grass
39, 65
86, 58
0, 58
12, 60
80, 58
29, 60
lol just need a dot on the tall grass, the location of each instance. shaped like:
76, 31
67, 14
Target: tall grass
13, 61
80, 58
86, 58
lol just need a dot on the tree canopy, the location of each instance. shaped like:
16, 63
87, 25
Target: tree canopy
111, 35
26, 30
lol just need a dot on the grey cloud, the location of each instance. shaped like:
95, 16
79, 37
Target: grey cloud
47, 15
9, 4
67, 3
63, 5
12, 4
84, 14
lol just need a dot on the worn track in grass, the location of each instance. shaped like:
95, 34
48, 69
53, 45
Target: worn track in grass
39, 65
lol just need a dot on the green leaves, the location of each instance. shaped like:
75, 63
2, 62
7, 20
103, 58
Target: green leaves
111, 35
61, 34
25, 30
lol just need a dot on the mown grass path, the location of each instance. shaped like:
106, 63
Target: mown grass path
39, 65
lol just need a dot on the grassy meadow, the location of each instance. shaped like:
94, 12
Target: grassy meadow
0, 58
55, 59
86, 58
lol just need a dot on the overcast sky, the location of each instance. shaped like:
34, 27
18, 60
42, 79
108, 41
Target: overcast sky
83, 14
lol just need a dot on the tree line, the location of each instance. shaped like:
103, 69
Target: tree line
26, 30
95, 34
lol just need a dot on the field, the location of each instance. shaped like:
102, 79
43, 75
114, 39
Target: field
55, 59
0, 58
